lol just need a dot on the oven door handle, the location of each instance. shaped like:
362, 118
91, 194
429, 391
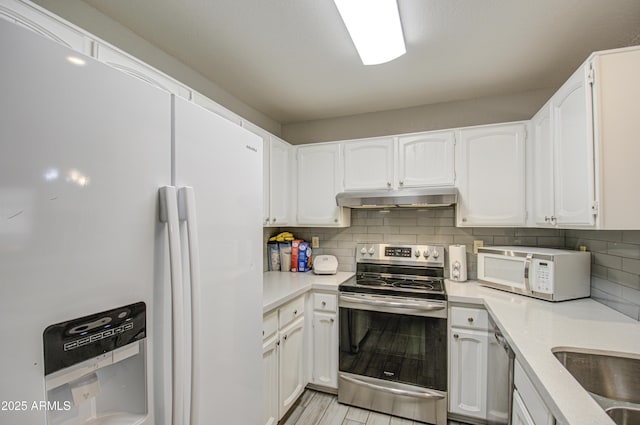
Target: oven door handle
418, 394
425, 306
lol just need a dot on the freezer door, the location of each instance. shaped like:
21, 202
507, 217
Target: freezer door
83, 150
222, 163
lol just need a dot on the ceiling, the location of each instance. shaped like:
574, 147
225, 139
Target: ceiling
293, 60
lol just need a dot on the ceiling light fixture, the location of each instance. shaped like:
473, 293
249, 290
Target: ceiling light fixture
374, 27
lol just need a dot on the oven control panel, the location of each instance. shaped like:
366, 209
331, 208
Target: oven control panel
407, 254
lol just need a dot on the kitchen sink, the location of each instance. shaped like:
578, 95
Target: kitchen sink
612, 379
624, 415
613, 375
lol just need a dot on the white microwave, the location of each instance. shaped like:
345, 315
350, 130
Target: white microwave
549, 274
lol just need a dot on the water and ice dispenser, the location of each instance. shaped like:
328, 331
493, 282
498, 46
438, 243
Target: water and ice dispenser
95, 368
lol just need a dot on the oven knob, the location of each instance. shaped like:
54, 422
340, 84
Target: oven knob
417, 253
363, 250
435, 254
372, 251
426, 253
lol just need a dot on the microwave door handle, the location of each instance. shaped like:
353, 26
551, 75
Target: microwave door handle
527, 267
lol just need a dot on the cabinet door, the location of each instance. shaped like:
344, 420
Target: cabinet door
319, 183
279, 181
426, 159
543, 167
265, 166
519, 414
573, 140
492, 176
325, 349
368, 164
270, 381
291, 365
467, 393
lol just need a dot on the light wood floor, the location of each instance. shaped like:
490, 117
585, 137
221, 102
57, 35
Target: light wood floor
316, 408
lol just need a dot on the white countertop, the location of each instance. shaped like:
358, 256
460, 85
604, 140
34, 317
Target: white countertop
533, 327
280, 287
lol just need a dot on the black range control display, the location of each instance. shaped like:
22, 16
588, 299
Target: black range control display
390, 251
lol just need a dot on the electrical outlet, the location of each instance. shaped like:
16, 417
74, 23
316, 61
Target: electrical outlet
315, 242
477, 244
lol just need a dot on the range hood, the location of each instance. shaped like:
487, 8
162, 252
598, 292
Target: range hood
418, 197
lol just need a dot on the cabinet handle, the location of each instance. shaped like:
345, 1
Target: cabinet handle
401, 183
324, 303
332, 320
295, 312
470, 319
266, 220
456, 336
285, 337
262, 333
464, 219
335, 220
273, 220
553, 219
546, 219
388, 184
278, 342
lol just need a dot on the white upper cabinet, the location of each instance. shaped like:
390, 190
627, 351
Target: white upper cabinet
491, 176
319, 181
586, 131
280, 159
426, 159
368, 164
543, 159
573, 151
413, 160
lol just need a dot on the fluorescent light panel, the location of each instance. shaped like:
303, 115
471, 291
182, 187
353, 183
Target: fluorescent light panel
374, 27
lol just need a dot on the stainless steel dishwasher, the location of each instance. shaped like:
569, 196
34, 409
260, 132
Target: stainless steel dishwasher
500, 359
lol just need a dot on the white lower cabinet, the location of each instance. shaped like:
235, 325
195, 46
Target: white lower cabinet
283, 359
528, 406
270, 380
324, 352
468, 343
291, 364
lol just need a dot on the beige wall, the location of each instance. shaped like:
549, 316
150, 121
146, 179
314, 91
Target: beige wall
486, 110
95, 22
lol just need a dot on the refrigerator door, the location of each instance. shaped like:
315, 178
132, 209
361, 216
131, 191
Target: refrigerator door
83, 150
222, 163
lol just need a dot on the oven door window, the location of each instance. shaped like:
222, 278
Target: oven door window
394, 347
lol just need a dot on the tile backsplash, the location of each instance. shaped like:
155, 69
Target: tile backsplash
615, 261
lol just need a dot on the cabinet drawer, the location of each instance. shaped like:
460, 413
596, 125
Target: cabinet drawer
465, 317
324, 302
530, 397
269, 325
291, 311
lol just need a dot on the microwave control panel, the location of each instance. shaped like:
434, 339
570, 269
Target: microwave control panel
542, 276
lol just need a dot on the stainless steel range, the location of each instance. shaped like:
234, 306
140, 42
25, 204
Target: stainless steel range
393, 332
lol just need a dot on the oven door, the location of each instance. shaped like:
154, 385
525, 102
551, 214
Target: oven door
394, 339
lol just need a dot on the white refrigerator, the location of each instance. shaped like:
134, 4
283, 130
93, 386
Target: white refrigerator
130, 249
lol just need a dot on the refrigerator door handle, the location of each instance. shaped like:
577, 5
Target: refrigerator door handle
187, 208
169, 215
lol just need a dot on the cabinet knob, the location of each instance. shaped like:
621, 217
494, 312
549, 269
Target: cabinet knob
324, 303
470, 319
553, 219
262, 333
285, 337
388, 184
456, 336
295, 312
278, 342
464, 219
332, 320
266, 220
335, 220
273, 220
401, 183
